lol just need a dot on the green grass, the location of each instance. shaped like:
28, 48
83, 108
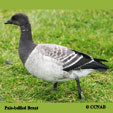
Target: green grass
89, 31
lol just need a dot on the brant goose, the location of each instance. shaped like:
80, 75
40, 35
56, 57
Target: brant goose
53, 62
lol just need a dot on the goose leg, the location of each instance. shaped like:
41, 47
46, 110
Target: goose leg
78, 86
55, 86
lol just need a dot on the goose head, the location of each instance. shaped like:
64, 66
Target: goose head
18, 19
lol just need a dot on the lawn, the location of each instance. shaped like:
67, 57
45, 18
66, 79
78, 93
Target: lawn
88, 31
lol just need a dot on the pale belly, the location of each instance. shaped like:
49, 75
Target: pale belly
45, 68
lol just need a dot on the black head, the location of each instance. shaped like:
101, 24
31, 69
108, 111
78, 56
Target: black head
19, 19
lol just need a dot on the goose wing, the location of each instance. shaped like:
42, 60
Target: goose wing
70, 59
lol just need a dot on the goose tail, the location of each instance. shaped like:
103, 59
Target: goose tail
101, 67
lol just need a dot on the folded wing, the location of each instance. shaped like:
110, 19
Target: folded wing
71, 59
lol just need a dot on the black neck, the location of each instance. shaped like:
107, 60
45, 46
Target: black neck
26, 44
26, 32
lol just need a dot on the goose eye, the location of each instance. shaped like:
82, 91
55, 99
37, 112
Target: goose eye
14, 18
